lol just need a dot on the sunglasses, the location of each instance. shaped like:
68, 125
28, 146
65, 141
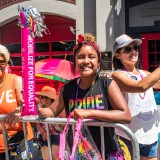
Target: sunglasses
2, 62
128, 49
41, 97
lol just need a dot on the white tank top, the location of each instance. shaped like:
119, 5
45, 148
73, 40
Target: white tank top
145, 122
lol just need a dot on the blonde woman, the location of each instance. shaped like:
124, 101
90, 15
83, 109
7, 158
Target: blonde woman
10, 101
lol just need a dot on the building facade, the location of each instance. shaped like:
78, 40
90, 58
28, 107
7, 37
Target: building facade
65, 19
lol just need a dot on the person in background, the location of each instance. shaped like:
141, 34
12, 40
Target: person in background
47, 96
10, 102
136, 86
91, 96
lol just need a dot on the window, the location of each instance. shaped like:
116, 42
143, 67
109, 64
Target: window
60, 50
15, 61
42, 47
38, 58
14, 48
63, 46
67, 57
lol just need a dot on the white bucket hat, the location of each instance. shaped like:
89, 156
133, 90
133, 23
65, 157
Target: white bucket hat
123, 41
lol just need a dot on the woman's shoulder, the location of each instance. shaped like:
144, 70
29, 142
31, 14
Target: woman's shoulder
16, 78
119, 72
13, 75
104, 80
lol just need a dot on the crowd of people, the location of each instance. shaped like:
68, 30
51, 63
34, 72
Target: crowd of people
124, 97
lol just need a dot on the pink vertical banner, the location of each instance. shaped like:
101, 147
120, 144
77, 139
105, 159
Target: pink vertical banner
28, 73
32, 24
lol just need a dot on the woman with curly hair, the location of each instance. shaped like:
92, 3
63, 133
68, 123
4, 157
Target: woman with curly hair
91, 96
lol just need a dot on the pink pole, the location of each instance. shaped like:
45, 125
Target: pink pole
28, 73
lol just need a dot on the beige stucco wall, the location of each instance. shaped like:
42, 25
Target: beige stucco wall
47, 7
109, 16
110, 23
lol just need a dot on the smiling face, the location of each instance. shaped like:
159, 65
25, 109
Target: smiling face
87, 61
128, 55
3, 65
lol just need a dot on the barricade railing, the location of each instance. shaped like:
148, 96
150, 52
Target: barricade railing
123, 128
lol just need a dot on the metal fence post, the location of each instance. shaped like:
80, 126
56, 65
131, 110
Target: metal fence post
26, 140
5, 139
49, 142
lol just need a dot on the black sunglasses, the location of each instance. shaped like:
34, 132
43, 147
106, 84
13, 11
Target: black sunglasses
128, 49
2, 62
41, 97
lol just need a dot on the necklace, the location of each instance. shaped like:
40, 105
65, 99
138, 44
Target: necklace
134, 77
92, 89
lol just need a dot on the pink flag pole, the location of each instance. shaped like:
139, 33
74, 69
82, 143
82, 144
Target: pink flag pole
31, 24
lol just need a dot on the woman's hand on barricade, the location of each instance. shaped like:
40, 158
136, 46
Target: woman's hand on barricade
13, 117
80, 113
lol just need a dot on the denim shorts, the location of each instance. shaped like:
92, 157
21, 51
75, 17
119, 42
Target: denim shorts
145, 150
54, 140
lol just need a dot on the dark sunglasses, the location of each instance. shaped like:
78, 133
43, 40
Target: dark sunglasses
41, 97
128, 49
2, 62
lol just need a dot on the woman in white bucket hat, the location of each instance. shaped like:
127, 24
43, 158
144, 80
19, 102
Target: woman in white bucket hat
136, 86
